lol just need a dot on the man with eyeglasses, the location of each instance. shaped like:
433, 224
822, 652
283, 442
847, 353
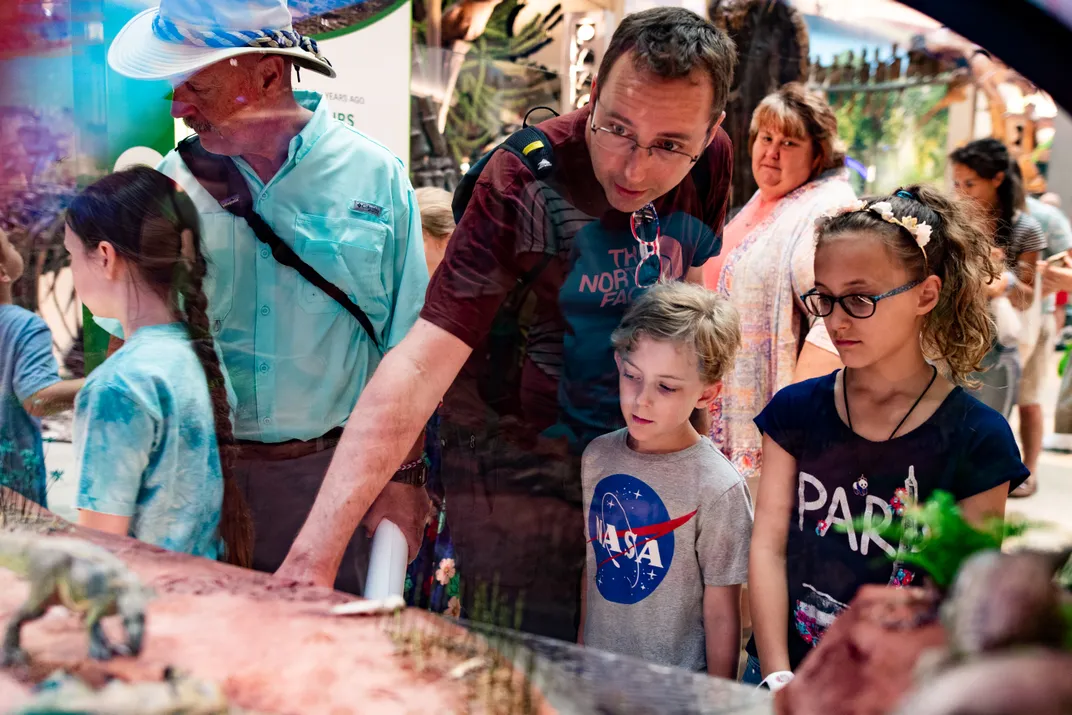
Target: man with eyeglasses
638, 194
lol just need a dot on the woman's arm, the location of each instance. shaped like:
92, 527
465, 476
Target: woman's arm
722, 629
1023, 293
109, 523
1056, 277
767, 585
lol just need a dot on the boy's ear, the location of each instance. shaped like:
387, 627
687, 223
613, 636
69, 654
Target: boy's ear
710, 393
5, 277
618, 360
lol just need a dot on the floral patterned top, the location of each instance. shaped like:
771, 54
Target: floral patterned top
763, 277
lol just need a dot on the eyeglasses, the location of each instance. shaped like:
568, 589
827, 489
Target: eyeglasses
616, 139
856, 306
644, 224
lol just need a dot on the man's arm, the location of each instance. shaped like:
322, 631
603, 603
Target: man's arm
391, 413
722, 629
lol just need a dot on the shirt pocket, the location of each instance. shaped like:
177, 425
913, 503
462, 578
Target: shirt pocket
218, 245
348, 253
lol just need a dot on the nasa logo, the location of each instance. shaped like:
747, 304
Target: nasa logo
632, 536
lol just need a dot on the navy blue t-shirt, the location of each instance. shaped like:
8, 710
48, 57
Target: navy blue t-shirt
965, 448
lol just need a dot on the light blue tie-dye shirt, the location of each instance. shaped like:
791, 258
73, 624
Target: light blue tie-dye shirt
26, 367
145, 442
297, 361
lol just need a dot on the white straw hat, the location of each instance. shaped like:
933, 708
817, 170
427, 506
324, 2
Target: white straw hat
182, 37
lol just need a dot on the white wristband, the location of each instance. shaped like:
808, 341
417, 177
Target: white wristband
777, 681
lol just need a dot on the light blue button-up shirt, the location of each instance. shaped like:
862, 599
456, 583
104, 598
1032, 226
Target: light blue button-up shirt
296, 360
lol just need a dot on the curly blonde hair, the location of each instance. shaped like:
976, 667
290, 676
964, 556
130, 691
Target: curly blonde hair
685, 314
959, 330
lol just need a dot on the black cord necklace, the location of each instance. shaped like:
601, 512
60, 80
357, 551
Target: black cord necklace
860, 486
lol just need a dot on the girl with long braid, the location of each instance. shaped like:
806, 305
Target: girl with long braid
152, 423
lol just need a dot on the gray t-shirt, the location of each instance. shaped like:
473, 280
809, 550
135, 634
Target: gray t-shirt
660, 528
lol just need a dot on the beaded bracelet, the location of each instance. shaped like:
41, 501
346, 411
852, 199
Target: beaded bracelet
423, 459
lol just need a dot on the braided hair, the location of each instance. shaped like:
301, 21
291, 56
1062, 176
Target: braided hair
154, 226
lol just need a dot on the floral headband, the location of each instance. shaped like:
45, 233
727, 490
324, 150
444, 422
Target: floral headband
919, 230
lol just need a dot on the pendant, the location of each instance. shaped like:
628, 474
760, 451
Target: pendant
859, 487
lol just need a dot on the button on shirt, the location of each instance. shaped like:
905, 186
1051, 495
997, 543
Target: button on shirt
296, 360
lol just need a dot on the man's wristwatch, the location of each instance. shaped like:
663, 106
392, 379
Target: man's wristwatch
413, 473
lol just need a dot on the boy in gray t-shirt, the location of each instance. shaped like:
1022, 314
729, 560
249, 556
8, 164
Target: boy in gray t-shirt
669, 518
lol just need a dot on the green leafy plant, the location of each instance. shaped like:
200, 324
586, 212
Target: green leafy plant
496, 86
936, 538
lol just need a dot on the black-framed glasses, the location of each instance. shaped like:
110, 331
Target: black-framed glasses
618, 140
856, 306
644, 223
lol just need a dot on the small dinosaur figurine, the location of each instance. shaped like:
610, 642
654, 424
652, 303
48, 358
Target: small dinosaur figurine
84, 578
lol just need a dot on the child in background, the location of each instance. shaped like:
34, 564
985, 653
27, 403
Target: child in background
30, 385
150, 421
437, 224
670, 518
902, 285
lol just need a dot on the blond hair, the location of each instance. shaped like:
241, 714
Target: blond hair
437, 217
796, 111
689, 315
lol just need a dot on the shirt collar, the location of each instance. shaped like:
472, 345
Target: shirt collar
314, 129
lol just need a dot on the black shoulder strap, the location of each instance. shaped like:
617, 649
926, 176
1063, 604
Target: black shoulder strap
533, 147
530, 145
221, 178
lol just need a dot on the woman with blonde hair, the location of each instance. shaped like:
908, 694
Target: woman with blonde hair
768, 250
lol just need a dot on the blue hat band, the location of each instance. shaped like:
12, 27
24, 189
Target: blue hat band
168, 31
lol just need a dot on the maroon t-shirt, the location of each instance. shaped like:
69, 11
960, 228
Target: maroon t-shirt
513, 220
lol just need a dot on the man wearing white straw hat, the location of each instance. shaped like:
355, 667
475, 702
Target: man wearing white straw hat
317, 272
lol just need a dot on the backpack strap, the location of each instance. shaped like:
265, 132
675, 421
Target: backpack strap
533, 148
530, 145
221, 178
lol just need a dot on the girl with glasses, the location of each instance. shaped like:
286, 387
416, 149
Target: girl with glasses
901, 283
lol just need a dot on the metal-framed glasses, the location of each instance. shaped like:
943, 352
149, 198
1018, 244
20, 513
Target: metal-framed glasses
856, 306
618, 140
644, 223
